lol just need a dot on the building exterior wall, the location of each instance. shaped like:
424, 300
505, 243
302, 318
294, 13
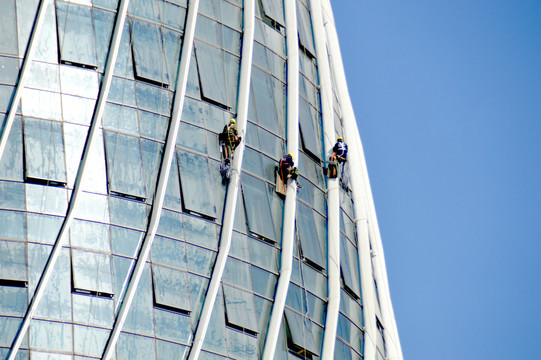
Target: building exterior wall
118, 237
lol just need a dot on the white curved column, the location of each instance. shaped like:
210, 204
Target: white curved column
365, 214
27, 62
234, 182
82, 170
333, 194
290, 206
163, 177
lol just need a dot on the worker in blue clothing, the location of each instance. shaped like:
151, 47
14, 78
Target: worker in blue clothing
340, 150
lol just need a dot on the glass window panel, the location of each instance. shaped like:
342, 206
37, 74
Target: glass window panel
51, 336
12, 225
124, 63
172, 42
152, 125
305, 29
349, 264
264, 99
13, 261
239, 308
200, 260
103, 21
169, 252
8, 44
93, 310
310, 140
238, 273
44, 76
170, 288
43, 228
192, 137
195, 183
167, 350
153, 98
252, 136
173, 15
239, 246
171, 224
90, 235
271, 144
172, 194
231, 40
192, 112
241, 345
91, 272
89, 340
208, 30
12, 195
314, 281
13, 301
11, 163
173, 326
92, 207
210, 63
257, 207
145, 9
123, 91
316, 308
300, 331
201, 232
308, 235
76, 34
274, 10
140, 318
148, 52
216, 336
152, 155
264, 282
124, 165
341, 351
44, 150
296, 298
263, 255
6, 93
192, 87
128, 213
252, 162
232, 15
133, 346
118, 117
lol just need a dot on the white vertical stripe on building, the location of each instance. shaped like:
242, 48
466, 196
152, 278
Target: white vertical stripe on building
77, 188
364, 207
163, 177
27, 62
234, 182
333, 195
290, 206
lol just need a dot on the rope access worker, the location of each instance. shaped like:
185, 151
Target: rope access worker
287, 168
230, 138
340, 150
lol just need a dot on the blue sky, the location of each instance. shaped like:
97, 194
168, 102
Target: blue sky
447, 95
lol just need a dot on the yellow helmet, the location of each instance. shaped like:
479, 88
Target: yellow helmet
340, 139
289, 154
232, 121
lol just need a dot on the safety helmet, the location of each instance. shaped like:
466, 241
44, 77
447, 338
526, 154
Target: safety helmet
291, 155
340, 139
232, 121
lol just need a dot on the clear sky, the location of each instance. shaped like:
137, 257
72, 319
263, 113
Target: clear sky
447, 95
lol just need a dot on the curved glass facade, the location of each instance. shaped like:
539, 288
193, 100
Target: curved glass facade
113, 228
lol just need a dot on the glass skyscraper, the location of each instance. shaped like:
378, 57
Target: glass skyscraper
119, 239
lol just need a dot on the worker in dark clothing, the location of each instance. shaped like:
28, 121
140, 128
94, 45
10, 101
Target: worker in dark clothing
229, 138
287, 168
340, 150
